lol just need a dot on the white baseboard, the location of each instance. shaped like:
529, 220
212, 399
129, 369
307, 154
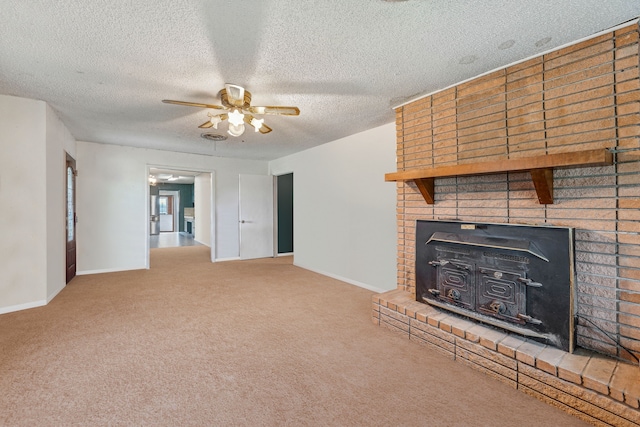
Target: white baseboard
19, 307
34, 304
233, 258
108, 270
344, 279
286, 254
53, 295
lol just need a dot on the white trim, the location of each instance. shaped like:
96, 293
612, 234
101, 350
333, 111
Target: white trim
203, 244
274, 216
592, 36
55, 294
147, 195
344, 279
285, 254
233, 258
19, 307
108, 270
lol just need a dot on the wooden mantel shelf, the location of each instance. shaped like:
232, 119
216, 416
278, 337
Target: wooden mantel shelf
540, 167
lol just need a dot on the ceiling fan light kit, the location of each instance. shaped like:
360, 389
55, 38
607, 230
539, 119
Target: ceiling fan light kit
214, 121
236, 118
236, 102
235, 130
257, 124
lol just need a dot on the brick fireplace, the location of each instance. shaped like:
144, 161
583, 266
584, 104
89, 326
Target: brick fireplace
582, 97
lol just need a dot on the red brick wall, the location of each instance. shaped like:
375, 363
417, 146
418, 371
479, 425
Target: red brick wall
585, 96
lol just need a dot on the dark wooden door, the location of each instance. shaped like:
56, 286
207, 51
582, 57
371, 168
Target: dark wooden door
71, 218
285, 213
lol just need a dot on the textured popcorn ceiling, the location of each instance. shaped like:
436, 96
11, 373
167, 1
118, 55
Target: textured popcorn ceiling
105, 66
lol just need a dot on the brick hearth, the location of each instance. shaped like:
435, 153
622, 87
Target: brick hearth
593, 387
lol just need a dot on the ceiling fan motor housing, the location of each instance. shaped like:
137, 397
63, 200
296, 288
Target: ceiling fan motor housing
235, 96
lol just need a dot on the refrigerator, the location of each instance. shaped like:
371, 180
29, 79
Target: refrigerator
154, 209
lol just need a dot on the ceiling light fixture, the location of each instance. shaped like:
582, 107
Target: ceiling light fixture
236, 117
236, 130
507, 44
236, 123
257, 124
469, 59
214, 121
543, 41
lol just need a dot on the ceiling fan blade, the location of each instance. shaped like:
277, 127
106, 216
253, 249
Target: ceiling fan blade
206, 125
282, 111
264, 129
193, 104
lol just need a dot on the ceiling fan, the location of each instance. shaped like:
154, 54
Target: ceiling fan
236, 104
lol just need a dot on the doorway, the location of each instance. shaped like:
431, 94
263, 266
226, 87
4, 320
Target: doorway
284, 213
71, 217
189, 201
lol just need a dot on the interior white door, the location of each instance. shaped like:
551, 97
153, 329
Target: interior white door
256, 216
169, 221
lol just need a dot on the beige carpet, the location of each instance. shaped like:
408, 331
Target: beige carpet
259, 343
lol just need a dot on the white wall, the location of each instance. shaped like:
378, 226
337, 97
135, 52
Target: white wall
202, 203
113, 209
32, 255
344, 212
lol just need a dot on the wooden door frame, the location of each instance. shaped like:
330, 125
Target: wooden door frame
70, 268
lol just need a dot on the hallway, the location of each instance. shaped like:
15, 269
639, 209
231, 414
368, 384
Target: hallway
172, 240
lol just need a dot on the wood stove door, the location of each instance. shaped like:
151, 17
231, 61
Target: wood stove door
501, 294
456, 283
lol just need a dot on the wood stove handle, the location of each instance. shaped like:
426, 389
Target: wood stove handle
530, 282
442, 262
529, 319
460, 266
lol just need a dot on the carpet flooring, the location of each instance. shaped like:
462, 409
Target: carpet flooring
239, 343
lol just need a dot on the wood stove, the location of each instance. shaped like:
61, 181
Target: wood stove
518, 278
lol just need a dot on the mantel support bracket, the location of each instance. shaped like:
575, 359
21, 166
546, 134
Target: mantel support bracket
426, 187
543, 182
